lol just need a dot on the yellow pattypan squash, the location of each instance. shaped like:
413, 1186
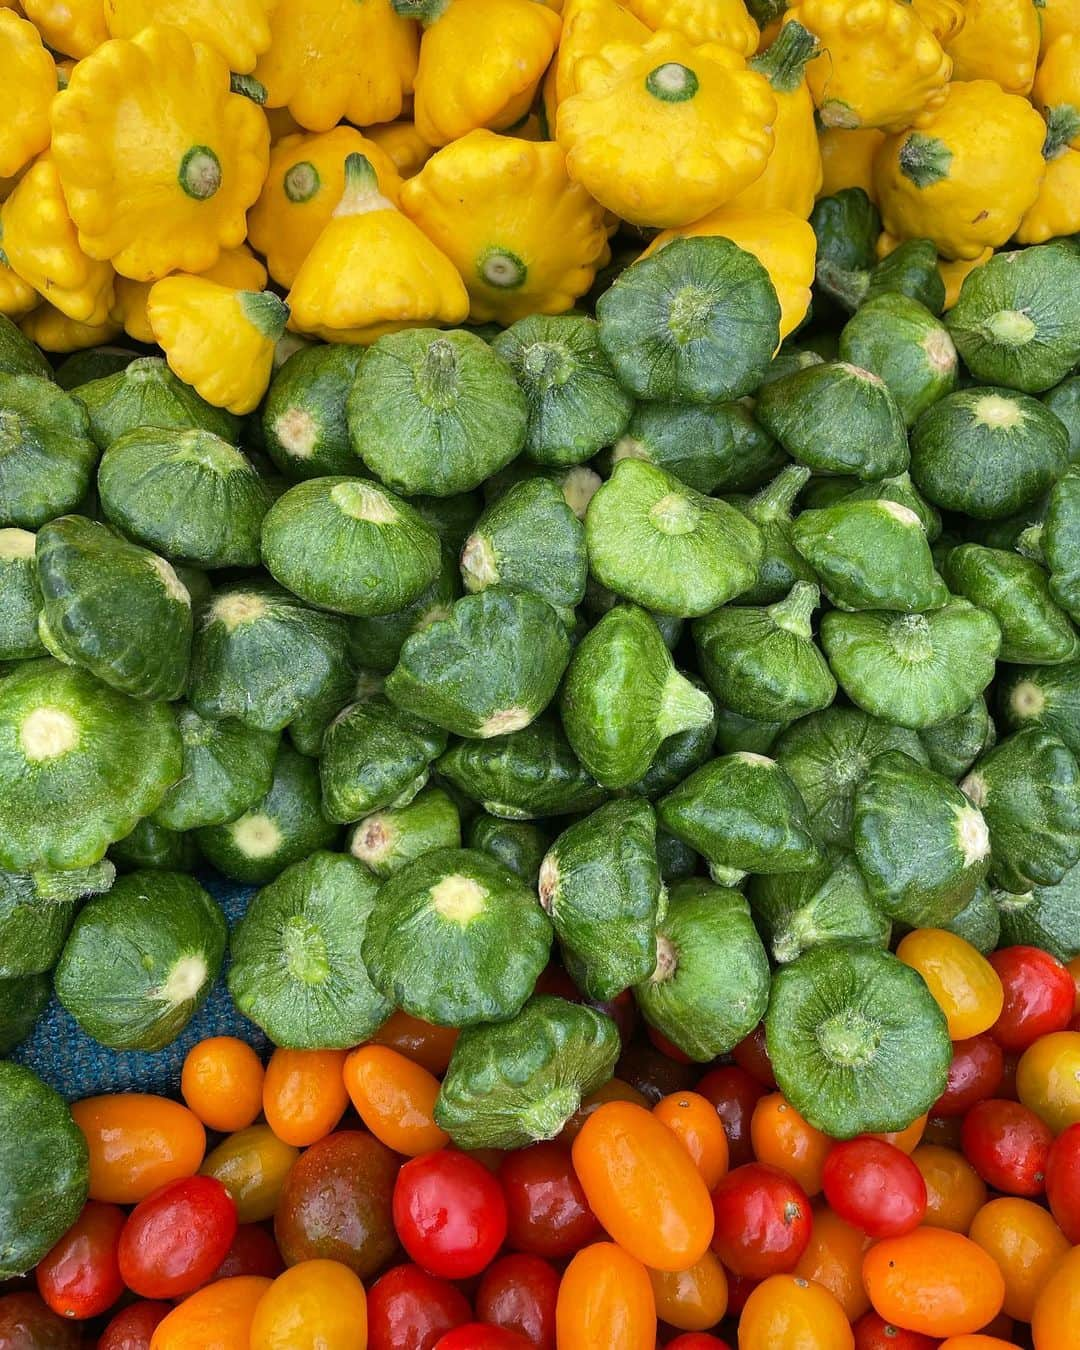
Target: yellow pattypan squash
965, 175
588, 27
403, 145
43, 247
1056, 18
880, 66
217, 339
71, 27
304, 185
944, 18
281, 123
334, 59
16, 297
26, 93
525, 239
955, 271
999, 41
235, 267
55, 332
481, 62
1056, 92
372, 271
699, 21
1056, 210
238, 29
663, 133
847, 159
159, 160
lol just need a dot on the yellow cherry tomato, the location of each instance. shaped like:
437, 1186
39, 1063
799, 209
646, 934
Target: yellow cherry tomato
964, 984
1027, 1245
694, 1299
796, 1314
316, 1305
252, 1165
954, 1190
1048, 1079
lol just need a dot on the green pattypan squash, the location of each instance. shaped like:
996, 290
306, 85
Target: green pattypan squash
388, 839
304, 427
227, 767
375, 755
20, 597
795, 911
709, 447
904, 344
145, 393
1016, 592
46, 453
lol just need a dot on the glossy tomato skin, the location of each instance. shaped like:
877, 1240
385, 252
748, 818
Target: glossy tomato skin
449, 1213
1048, 1079
477, 1336
80, 1277
137, 1143
252, 1252
752, 1055
974, 1074
783, 1138
519, 1293
422, 1042
176, 1238
668, 1048
1063, 1182
546, 1210
26, 1323
1039, 996
1008, 1145
606, 1300
697, 1340
763, 1219
408, 1309
133, 1328
872, 1332
954, 1190
304, 1094
654, 1073
875, 1187
734, 1093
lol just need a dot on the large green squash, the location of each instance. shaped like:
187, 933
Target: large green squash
795, 911
146, 393
227, 767
1016, 591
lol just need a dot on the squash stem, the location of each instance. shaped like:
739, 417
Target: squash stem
361, 189
682, 706
784, 63
264, 311
775, 500
427, 11
794, 613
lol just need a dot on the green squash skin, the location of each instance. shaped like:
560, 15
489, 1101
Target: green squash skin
451, 518
600, 886
900, 490
599, 600
697, 321
154, 847
680, 754
677, 861
18, 355
262, 656
952, 747
1016, 592
22, 1001
742, 811
710, 986
281, 828
146, 393
901, 342
375, 755
97, 763
1047, 697
489, 669
828, 489
856, 1040
576, 406
781, 565
113, 608
828, 754
305, 431
735, 732
1060, 541
659, 543
921, 845
711, 448
1064, 402
375, 553
1017, 320
435, 412
227, 768
1047, 917
306, 731
909, 272
987, 453
517, 1082
978, 922
47, 456
456, 938
93, 364
44, 1169
140, 960
915, 670
847, 226
788, 359
800, 910
20, 597
36, 914
388, 839
376, 643
517, 844
1028, 789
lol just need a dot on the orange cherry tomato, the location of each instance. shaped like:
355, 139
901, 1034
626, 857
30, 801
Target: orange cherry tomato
833, 1258
1073, 967
316, 1305
395, 1098
782, 1138
605, 1300
909, 1138
786, 1312
137, 1143
216, 1317
222, 1082
954, 1190
934, 1281
693, 1299
643, 1187
422, 1042
1027, 1245
1048, 1079
964, 984
1057, 1309
614, 1090
693, 1121
252, 1165
976, 1343
304, 1094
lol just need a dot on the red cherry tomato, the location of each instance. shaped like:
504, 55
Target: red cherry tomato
408, 1309
1039, 996
449, 1213
547, 1213
621, 1009
519, 1293
477, 1336
974, 1074
666, 1047
553, 979
697, 1340
80, 1276
739, 1289
734, 1093
873, 1186
872, 1332
177, 1237
751, 1054
1008, 1145
253, 1252
1063, 1182
133, 1328
763, 1221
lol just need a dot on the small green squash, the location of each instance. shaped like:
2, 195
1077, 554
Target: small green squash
47, 455
375, 643
146, 393
909, 272
152, 846
978, 922
771, 511
1047, 697
795, 911
679, 754
304, 427
20, 597
517, 844
1064, 402
18, 355
388, 839
1047, 917
709, 447
847, 226
1059, 540
900, 490
375, 755
227, 767
92, 364
735, 732
37, 910
1016, 592
952, 747
904, 344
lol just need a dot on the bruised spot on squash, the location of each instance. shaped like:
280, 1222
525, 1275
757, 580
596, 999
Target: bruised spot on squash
478, 566
548, 882
256, 835
363, 501
184, 981
974, 789
15, 544
504, 721
458, 899
972, 834
372, 840
579, 487
667, 960
998, 412
174, 587
48, 733
939, 349
904, 514
297, 432
240, 607
1027, 699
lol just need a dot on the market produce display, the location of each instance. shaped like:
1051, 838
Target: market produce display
576, 506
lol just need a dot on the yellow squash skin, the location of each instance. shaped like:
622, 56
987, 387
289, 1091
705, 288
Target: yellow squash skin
588, 27
700, 21
26, 93
16, 297
281, 123
954, 272
55, 332
1056, 210
944, 18
302, 189
847, 159
525, 239
965, 175
72, 27
999, 41
372, 271
158, 160
237, 29
880, 66
1056, 92
403, 145
1056, 18
217, 339
235, 267
664, 133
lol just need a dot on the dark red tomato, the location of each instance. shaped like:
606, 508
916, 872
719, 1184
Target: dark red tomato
874, 1333
1040, 996
622, 1010
80, 1276
133, 1328
697, 1340
974, 1074
669, 1048
739, 1289
752, 1055
477, 1336
1007, 1091
336, 1204
734, 1093
547, 1213
449, 1213
177, 1237
875, 1187
408, 1309
519, 1293
27, 1324
554, 980
253, 1252
1063, 1182
1008, 1145
763, 1221
653, 1073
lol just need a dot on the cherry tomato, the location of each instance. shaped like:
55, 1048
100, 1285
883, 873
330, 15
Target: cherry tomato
872, 1332
1008, 1146
697, 1340
79, 1277
477, 1336
964, 984
252, 1165
1039, 996
137, 1142
954, 1190
763, 1220
546, 1210
933, 1281
422, 1042
252, 1252
395, 1098
783, 1139
875, 1187
833, 1258
1027, 1245
752, 1054
614, 1090
605, 1300
944, 1131
977, 1342
734, 1093
222, 1082
449, 1213
693, 1299
175, 1239
693, 1121
621, 1009
908, 1139
786, 1310
519, 1293
1057, 1309
218, 1317
1073, 967
304, 1094
1048, 1079
974, 1074
408, 1309
739, 1289
133, 1328
27, 1324
653, 1073
667, 1048
1063, 1182
316, 1305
